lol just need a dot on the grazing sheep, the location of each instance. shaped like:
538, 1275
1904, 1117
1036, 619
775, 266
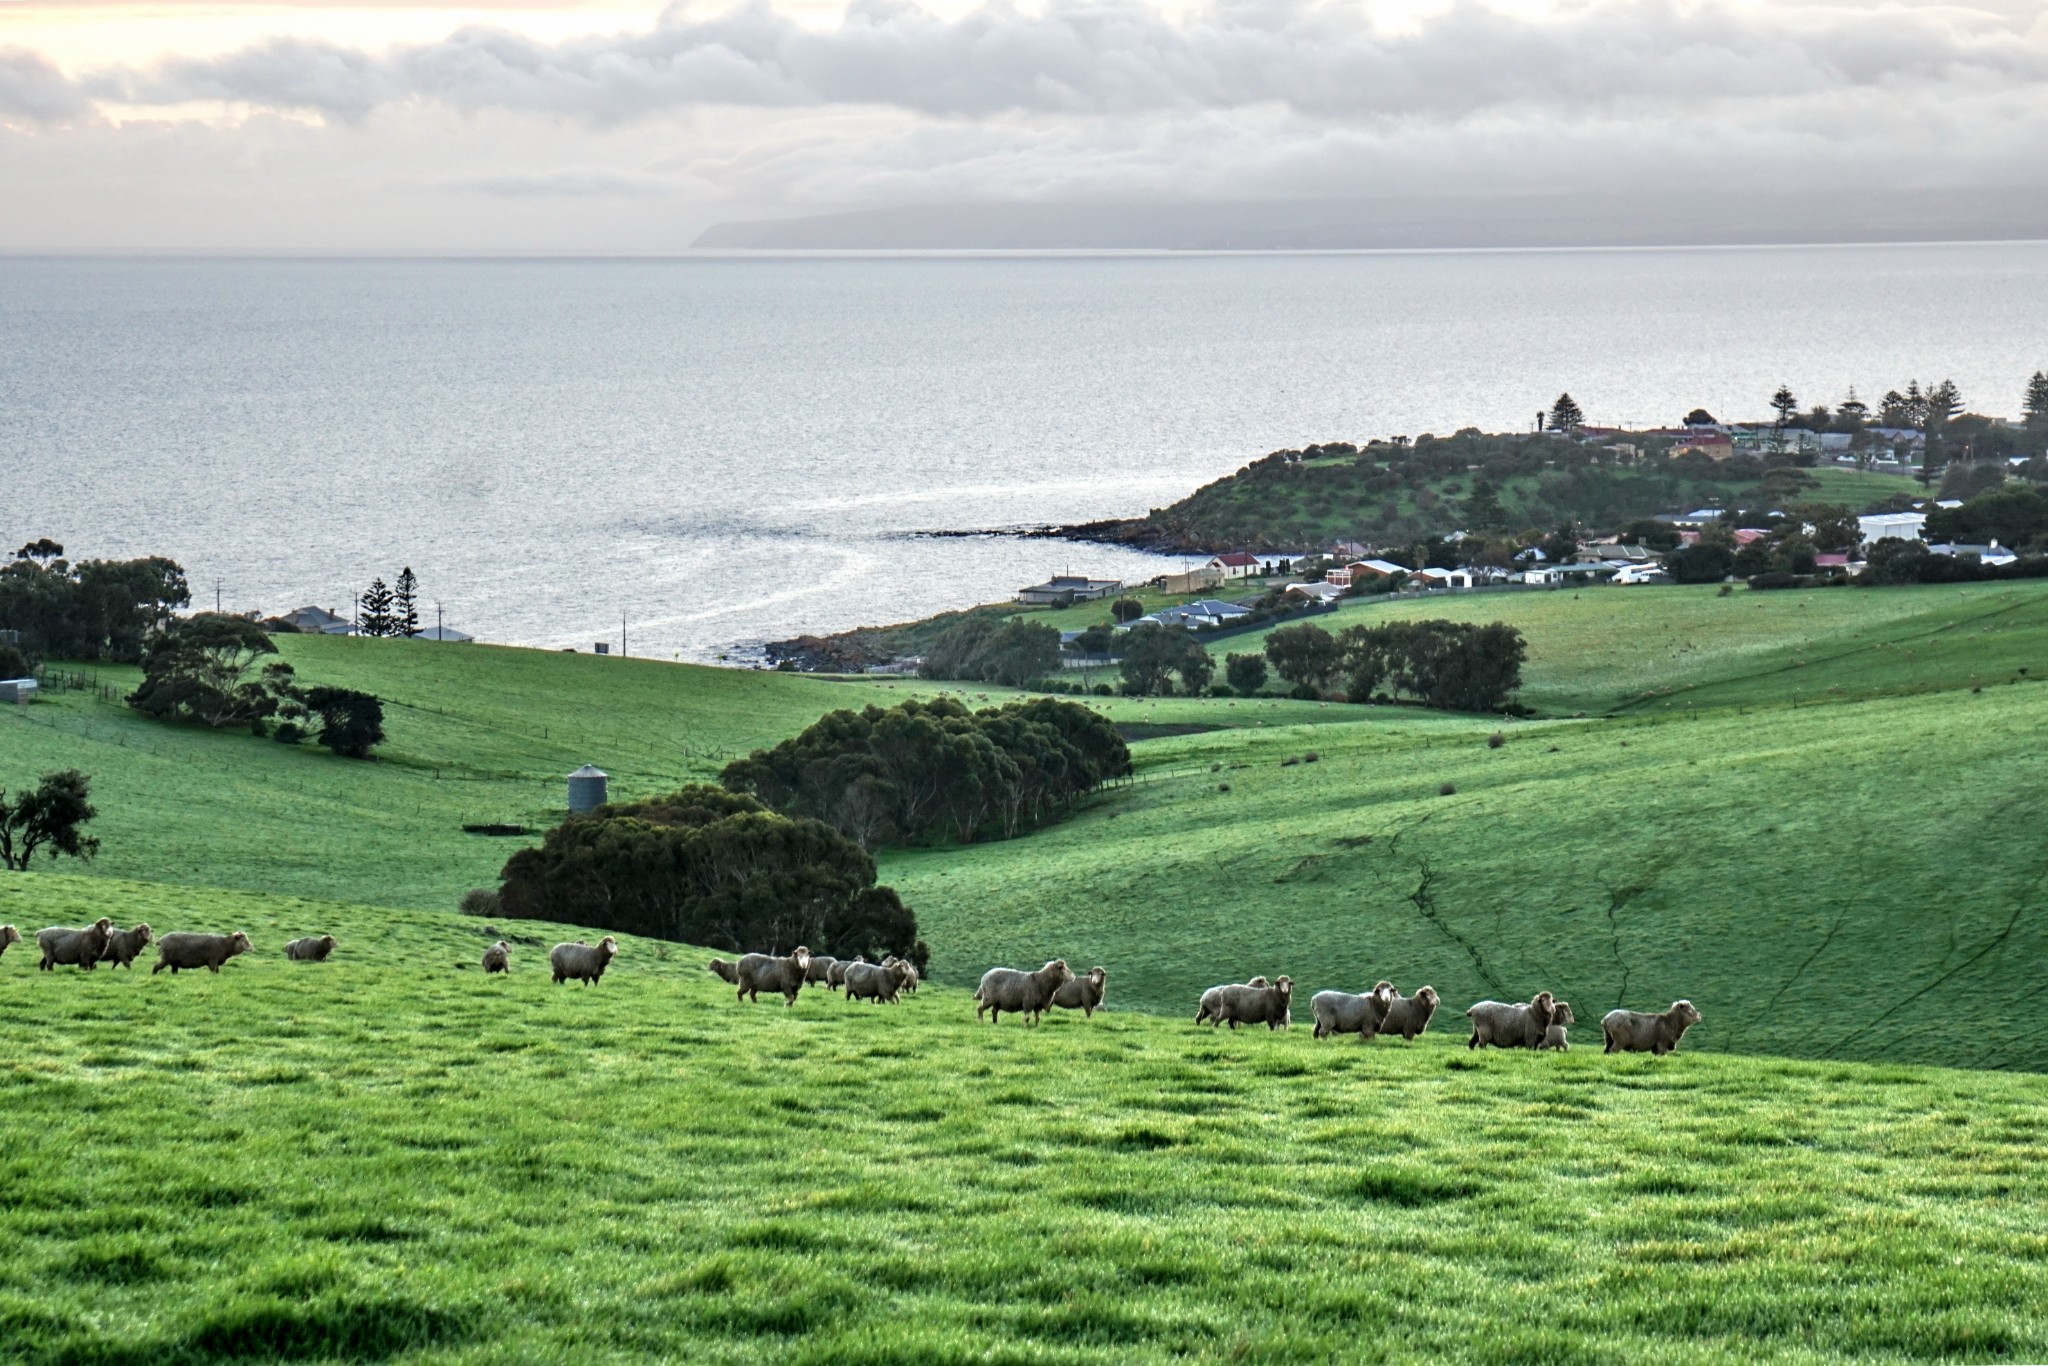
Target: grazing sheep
582, 961
835, 976
311, 949
1213, 998
124, 945
910, 977
721, 968
1554, 1039
1248, 1004
759, 972
1638, 1031
62, 944
1408, 1016
1020, 993
1083, 993
209, 951
820, 969
8, 935
498, 958
1501, 1025
1344, 1012
877, 981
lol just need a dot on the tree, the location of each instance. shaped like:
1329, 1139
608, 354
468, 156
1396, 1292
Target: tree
1701, 562
376, 615
405, 613
1785, 403
1245, 673
1895, 409
1852, 412
1304, 655
1454, 665
1699, 417
1012, 653
198, 669
351, 722
99, 609
1566, 415
1154, 654
1126, 609
2035, 404
47, 818
1483, 510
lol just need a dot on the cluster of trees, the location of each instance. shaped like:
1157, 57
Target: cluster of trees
708, 866
1893, 561
95, 609
2015, 517
1453, 665
391, 611
982, 649
209, 669
922, 769
47, 817
1154, 656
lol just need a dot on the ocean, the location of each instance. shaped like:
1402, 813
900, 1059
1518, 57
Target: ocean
717, 451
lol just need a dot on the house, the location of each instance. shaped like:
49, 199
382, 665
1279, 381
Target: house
1748, 535
1348, 551
1063, 590
1714, 445
1641, 573
1445, 578
1237, 564
1316, 592
1993, 554
447, 633
1904, 526
1204, 615
1361, 570
1194, 581
1605, 552
1546, 575
1831, 560
317, 621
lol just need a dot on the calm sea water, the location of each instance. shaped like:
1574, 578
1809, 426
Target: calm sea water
732, 450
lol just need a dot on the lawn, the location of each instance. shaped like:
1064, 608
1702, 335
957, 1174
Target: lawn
388, 1157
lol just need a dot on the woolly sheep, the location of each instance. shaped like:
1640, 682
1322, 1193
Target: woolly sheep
759, 972
63, 944
1020, 993
1554, 1038
720, 968
583, 961
124, 945
1267, 1005
877, 982
209, 951
1344, 1012
8, 935
1408, 1016
820, 969
1502, 1025
311, 949
1212, 999
1083, 993
498, 958
910, 977
835, 976
1637, 1031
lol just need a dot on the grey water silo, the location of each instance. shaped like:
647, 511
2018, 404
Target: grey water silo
586, 790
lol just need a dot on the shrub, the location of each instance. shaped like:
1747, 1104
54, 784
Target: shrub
480, 901
14, 663
1701, 562
351, 722
1447, 790
1126, 609
1245, 673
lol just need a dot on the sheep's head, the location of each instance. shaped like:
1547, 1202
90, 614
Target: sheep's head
1428, 996
144, 934
327, 942
239, 943
1058, 972
502, 947
1563, 1014
1258, 982
105, 925
9, 935
1098, 974
1285, 986
608, 946
801, 956
1685, 1013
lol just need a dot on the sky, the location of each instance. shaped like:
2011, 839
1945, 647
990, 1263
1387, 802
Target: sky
617, 127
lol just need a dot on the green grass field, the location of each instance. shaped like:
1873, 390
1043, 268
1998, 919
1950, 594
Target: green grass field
388, 1157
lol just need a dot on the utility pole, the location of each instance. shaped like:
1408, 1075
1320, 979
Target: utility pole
622, 633
216, 597
437, 624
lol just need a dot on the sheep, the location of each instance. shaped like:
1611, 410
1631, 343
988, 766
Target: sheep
1213, 997
1408, 1016
835, 976
1267, 1005
1554, 1038
581, 961
123, 946
8, 935
62, 944
759, 972
820, 969
1083, 993
311, 949
1344, 1012
910, 977
720, 968
877, 982
1638, 1031
1020, 993
209, 951
498, 958
1510, 1026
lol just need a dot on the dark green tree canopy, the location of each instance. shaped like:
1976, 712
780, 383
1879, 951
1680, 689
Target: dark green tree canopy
1453, 665
100, 609
1154, 655
47, 817
1011, 653
1566, 415
202, 668
1304, 655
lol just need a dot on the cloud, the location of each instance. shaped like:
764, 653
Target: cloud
575, 182
1115, 57
34, 90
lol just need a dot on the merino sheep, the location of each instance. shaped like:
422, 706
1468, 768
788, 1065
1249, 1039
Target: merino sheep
1554, 1038
820, 969
1344, 1012
1638, 1031
877, 982
1248, 1004
1083, 993
759, 972
720, 968
910, 978
124, 945
584, 962
1213, 998
835, 976
8, 935
1408, 1016
498, 958
1020, 993
1502, 1025
209, 951
63, 944
311, 949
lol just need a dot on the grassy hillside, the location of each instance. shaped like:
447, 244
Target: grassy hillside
387, 1157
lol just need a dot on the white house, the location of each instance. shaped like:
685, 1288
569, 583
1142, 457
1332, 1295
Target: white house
1905, 526
1237, 564
1317, 592
1445, 578
1361, 570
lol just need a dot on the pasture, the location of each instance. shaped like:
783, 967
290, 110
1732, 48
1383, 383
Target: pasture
388, 1157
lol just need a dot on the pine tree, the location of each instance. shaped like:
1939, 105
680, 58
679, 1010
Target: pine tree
1565, 415
405, 618
1785, 403
1893, 410
376, 617
1916, 404
2036, 404
1944, 401
1853, 410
